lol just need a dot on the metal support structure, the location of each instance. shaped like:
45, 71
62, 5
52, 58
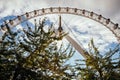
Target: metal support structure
113, 27
71, 40
60, 29
77, 46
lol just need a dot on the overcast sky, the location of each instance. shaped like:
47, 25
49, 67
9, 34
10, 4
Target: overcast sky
108, 8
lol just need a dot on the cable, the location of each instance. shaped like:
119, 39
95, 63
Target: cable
73, 34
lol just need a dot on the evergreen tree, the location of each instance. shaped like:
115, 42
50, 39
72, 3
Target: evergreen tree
33, 54
100, 67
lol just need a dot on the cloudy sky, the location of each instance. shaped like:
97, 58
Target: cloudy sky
108, 8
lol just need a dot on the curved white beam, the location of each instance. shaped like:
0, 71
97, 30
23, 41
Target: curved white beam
66, 10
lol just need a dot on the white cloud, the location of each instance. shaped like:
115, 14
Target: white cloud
108, 8
15, 7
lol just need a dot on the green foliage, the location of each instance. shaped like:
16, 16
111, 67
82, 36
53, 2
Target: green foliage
100, 67
33, 54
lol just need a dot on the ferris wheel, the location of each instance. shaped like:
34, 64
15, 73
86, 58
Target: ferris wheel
114, 28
